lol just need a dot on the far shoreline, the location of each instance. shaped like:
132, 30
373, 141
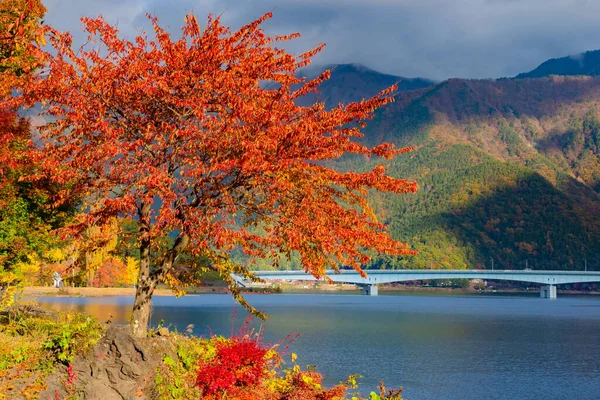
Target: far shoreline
48, 291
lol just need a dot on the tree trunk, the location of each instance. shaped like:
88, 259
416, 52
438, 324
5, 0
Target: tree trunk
148, 280
140, 317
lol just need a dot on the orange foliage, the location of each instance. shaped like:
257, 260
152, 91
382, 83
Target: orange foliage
307, 385
201, 137
19, 29
109, 273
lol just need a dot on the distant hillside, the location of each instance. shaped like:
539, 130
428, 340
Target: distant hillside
587, 63
353, 82
507, 169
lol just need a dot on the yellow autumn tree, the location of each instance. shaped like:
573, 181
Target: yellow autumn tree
129, 277
95, 247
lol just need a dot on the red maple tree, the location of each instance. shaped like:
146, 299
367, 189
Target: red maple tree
201, 139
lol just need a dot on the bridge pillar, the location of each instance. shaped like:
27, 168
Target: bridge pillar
370, 290
548, 292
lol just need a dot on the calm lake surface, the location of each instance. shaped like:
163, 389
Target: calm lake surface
435, 346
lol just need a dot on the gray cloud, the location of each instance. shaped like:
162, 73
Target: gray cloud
429, 38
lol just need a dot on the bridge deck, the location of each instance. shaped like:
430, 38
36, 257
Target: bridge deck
388, 276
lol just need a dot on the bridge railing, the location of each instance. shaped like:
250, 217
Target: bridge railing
390, 276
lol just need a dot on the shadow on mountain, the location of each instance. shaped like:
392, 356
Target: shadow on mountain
406, 121
551, 143
530, 223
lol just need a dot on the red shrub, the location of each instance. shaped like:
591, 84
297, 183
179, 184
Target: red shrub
239, 363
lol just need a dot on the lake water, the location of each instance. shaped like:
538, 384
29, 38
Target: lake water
436, 347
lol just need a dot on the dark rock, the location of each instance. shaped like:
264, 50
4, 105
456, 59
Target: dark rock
120, 367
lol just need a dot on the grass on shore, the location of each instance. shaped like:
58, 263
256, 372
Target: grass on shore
34, 341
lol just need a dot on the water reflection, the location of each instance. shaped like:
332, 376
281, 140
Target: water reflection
116, 309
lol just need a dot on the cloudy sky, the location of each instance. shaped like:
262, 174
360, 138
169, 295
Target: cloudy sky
435, 39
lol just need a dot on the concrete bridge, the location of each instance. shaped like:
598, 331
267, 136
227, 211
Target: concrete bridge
548, 279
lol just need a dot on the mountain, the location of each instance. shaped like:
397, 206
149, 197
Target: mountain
587, 63
508, 170
353, 82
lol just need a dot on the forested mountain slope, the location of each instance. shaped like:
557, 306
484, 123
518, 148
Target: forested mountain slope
507, 169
